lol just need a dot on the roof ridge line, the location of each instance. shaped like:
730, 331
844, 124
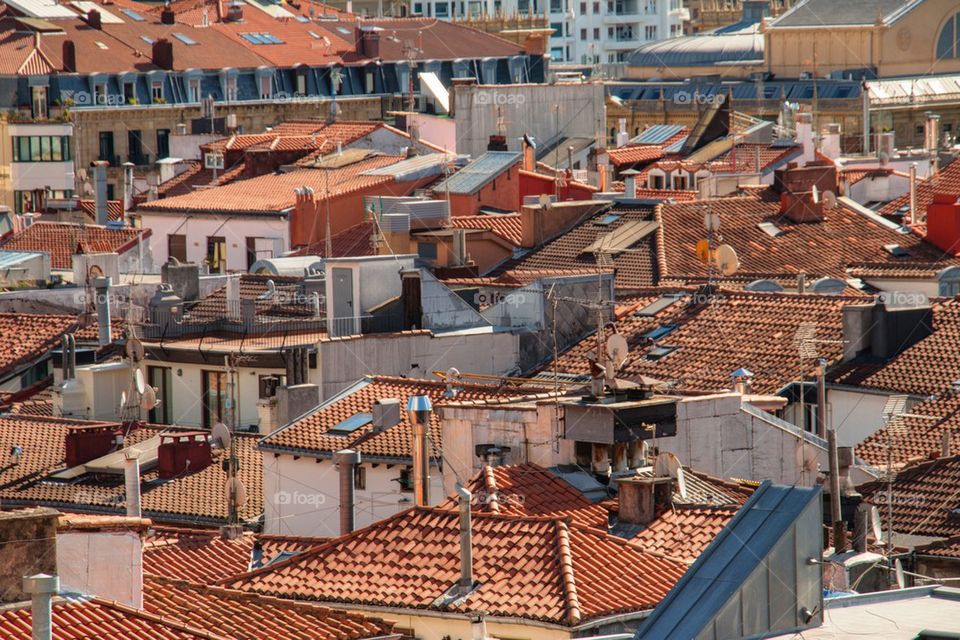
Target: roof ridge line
490, 482
567, 573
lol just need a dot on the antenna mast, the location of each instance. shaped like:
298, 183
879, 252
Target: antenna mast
232, 529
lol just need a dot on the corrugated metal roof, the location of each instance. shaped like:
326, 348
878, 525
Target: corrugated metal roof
744, 46
694, 607
414, 168
9, 259
478, 173
657, 133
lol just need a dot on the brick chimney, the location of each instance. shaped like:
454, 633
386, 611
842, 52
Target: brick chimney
93, 19
801, 189
69, 56
168, 16
304, 219
183, 453
29, 547
642, 499
163, 54
86, 443
943, 223
367, 42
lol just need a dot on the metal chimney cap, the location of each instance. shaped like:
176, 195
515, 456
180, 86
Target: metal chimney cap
41, 583
464, 493
419, 403
347, 456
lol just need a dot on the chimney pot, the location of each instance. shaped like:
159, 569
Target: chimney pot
168, 16
641, 498
419, 409
69, 56
41, 588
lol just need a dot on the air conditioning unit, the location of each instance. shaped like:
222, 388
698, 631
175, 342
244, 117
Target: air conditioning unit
213, 161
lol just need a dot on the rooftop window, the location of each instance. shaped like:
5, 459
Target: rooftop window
351, 424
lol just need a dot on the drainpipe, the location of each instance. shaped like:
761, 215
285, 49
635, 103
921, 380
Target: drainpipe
865, 93
913, 193
419, 408
102, 288
41, 588
466, 540
348, 459
131, 478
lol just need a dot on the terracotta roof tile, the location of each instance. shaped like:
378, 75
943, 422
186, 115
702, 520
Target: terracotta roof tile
352, 241
684, 532
240, 615
949, 548
916, 436
926, 498
26, 337
946, 181
525, 567
252, 286
63, 239
114, 209
311, 433
633, 154
508, 225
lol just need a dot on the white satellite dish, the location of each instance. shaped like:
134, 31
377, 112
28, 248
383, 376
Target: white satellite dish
135, 350
898, 569
711, 222
149, 399
829, 199
875, 524
667, 465
681, 483
234, 487
617, 348
138, 380
220, 435
727, 260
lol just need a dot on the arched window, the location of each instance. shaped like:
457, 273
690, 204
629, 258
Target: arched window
949, 282
947, 42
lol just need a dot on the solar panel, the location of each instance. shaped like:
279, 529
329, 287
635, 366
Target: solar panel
272, 39
659, 332
303, 19
133, 15
185, 39
676, 146
657, 305
657, 133
352, 423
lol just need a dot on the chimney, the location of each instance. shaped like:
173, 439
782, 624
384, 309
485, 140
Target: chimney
29, 547
410, 300
368, 43
101, 287
419, 409
803, 188
168, 16
931, 136
742, 381
234, 312
163, 54
465, 498
883, 331
642, 498
497, 143
235, 11
630, 183
303, 218
267, 405
182, 453
860, 527
529, 153
830, 142
131, 480
885, 147
296, 400
41, 588
943, 223
93, 19
100, 190
69, 56
804, 125
603, 173
622, 136
348, 459
127, 186
913, 194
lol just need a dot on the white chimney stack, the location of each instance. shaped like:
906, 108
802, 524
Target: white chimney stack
630, 183
466, 540
102, 288
131, 479
804, 124
913, 193
622, 136
41, 588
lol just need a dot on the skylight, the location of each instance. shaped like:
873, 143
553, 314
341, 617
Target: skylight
303, 19
147, 39
660, 332
261, 38
657, 305
343, 30
351, 424
770, 229
185, 39
896, 251
660, 352
133, 15
100, 45
608, 219
314, 34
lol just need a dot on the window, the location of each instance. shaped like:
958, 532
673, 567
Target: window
41, 148
135, 148
106, 148
596, 8
230, 88
129, 93
583, 8
217, 254
163, 143
442, 10
185, 39
650, 31
193, 89
596, 33
177, 246
947, 43
266, 87
406, 479
160, 379
351, 424
156, 91
557, 29
301, 84
214, 397
38, 97
583, 34
360, 477
100, 93
427, 250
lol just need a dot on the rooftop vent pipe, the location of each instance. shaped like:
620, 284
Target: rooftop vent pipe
41, 588
418, 410
131, 478
466, 540
102, 288
348, 459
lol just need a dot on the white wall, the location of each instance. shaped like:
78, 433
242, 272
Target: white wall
302, 495
105, 563
879, 189
198, 227
855, 414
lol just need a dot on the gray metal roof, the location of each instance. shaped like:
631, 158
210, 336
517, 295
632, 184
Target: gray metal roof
478, 173
655, 134
743, 46
9, 259
582, 481
414, 168
754, 578
827, 13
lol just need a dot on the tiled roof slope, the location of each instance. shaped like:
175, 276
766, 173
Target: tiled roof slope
252, 286
825, 248
195, 498
114, 209
84, 618
949, 548
197, 176
704, 490
917, 435
684, 532
351, 242
63, 239
236, 614
507, 225
730, 330
926, 497
946, 181
311, 433
272, 194
205, 556
635, 267
26, 337
632, 154
524, 567
929, 366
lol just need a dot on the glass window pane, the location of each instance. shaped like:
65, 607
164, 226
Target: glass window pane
34, 149
945, 43
45, 151
67, 156
56, 152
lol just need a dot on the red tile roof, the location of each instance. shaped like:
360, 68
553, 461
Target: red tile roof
535, 568
925, 500
236, 614
684, 532
196, 176
26, 337
507, 226
311, 433
114, 209
63, 239
661, 194
949, 548
633, 154
275, 193
352, 241
917, 435
197, 498
252, 286
946, 181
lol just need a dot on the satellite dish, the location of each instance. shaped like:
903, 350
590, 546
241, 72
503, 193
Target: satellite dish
898, 569
123, 400
727, 260
220, 435
875, 524
149, 399
617, 348
135, 350
829, 199
667, 465
138, 380
703, 251
233, 487
711, 222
